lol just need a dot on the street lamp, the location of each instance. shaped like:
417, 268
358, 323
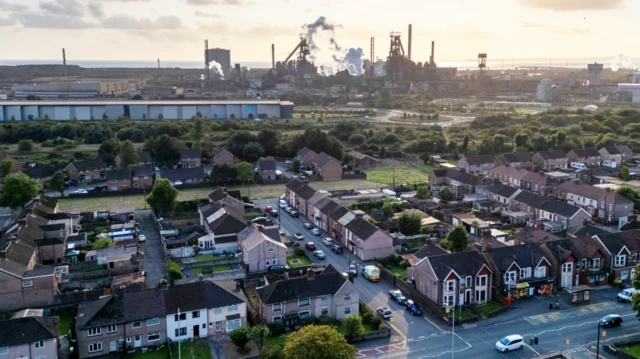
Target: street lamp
144, 194
598, 341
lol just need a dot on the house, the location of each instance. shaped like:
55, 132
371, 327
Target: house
261, 250
315, 213
222, 157
429, 250
598, 202
306, 156
180, 176
144, 159
499, 192
537, 182
222, 224
531, 234
365, 240
191, 158
562, 216
325, 211
142, 177
550, 160
594, 175
327, 167
311, 209
363, 161
297, 193
86, 171
459, 181
112, 256
508, 175
577, 261
517, 160
622, 250
338, 218
454, 279
589, 156
267, 169
119, 179
626, 152
40, 172
476, 164
291, 301
611, 153
29, 337
521, 271
231, 199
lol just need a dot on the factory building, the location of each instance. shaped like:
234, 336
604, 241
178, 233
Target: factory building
74, 89
221, 56
632, 89
143, 110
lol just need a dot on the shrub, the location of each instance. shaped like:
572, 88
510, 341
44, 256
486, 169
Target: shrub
240, 338
357, 139
353, 325
377, 323
325, 320
299, 251
174, 272
296, 245
312, 320
272, 352
25, 146
367, 317
276, 329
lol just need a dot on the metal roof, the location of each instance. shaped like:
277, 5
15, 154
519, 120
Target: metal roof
78, 102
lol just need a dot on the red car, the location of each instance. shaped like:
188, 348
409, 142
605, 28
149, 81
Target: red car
268, 209
310, 246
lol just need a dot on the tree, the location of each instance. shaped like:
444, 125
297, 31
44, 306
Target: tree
163, 196
167, 149
109, 149
325, 340
446, 194
198, 132
6, 166
244, 172
521, 139
252, 151
630, 194
624, 173
387, 209
465, 142
174, 272
259, 334
457, 239
56, 183
348, 160
409, 224
296, 165
17, 190
128, 154
357, 139
240, 337
102, 243
423, 192
269, 139
25, 146
353, 325
635, 298
272, 352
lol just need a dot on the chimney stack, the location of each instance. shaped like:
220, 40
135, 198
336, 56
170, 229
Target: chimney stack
310, 274
64, 62
158, 63
433, 49
409, 49
273, 56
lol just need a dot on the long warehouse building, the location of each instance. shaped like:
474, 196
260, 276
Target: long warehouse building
142, 110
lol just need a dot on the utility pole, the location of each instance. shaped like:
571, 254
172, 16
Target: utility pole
598, 343
453, 329
179, 332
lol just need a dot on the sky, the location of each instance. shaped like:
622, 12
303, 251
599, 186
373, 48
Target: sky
175, 29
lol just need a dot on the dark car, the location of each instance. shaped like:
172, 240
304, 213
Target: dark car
397, 296
611, 320
308, 225
310, 246
262, 220
353, 269
336, 248
412, 307
277, 268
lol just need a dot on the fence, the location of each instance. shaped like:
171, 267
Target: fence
361, 175
191, 264
235, 274
615, 348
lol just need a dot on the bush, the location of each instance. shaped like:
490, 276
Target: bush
174, 272
325, 320
25, 146
312, 320
240, 338
367, 317
296, 245
357, 139
299, 251
377, 323
273, 352
276, 329
353, 326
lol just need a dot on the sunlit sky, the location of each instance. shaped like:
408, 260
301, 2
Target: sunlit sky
175, 29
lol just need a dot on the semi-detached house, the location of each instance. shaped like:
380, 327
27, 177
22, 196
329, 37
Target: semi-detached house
29, 337
476, 164
577, 261
517, 160
550, 160
598, 202
261, 248
589, 156
622, 250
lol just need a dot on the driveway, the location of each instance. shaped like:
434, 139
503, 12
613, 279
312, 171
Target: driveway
154, 259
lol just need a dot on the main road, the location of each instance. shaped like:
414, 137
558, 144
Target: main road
572, 330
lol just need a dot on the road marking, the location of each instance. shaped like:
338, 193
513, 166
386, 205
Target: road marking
533, 350
568, 313
434, 325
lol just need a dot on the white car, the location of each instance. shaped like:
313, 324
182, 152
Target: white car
625, 295
177, 183
142, 238
315, 232
509, 343
327, 241
283, 204
81, 191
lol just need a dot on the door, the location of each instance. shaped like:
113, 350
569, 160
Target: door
531, 291
137, 341
467, 296
218, 326
112, 346
196, 331
566, 281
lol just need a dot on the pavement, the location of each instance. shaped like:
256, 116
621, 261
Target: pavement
572, 328
154, 259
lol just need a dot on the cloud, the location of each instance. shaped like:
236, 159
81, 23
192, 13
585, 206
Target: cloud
213, 2
46, 21
7, 21
574, 5
130, 23
63, 7
10, 6
96, 10
267, 31
559, 29
207, 15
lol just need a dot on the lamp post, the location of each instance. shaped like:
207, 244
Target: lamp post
144, 194
453, 330
598, 342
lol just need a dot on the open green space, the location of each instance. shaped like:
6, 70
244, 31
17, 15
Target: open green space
66, 318
632, 349
302, 261
213, 269
400, 272
489, 307
426, 168
386, 175
161, 353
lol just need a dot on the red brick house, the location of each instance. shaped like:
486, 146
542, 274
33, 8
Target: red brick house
86, 171
588, 156
362, 161
119, 179
306, 156
267, 169
142, 177
191, 158
327, 167
222, 157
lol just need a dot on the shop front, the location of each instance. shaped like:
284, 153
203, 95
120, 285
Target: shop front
524, 290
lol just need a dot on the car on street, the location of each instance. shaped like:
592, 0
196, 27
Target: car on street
327, 241
142, 238
283, 204
336, 248
274, 213
310, 246
298, 236
372, 273
308, 225
626, 294
397, 295
249, 205
353, 269
80, 191
283, 197
277, 267
294, 213
318, 254
99, 189
262, 220
412, 307
509, 343
384, 312
611, 320
70, 183
315, 232
345, 274
268, 209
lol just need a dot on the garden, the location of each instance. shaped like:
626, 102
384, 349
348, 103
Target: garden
402, 175
395, 264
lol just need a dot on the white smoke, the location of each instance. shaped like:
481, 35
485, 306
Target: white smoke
352, 62
379, 68
621, 62
325, 51
217, 68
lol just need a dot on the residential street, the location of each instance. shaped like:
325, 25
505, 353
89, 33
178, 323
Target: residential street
428, 337
153, 262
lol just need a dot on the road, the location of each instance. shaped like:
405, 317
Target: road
427, 337
86, 187
445, 119
154, 260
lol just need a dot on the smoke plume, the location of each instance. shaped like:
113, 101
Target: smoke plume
352, 62
621, 62
217, 68
379, 68
332, 57
323, 25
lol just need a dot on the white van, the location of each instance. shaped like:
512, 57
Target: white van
389, 193
509, 343
372, 273
578, 165
626, 294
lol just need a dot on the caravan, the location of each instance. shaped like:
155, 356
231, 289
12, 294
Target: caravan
578, 165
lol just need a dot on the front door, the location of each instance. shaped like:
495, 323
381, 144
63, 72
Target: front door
566, 281
196, 331
112, 346
137, 341
218, 326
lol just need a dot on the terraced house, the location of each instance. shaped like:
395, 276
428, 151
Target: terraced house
577, 261
29, 337
550, 160
476, 164
598, 202
86, 171
517, 160
622, 250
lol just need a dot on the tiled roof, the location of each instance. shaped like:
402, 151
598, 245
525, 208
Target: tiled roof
531, 199
267, 165
429, 250
589, 230
323, 159
338, 213
552, 155
295, 185
538, 178
476, 160
461, 177
463, 263
304, 151
119, 174
27, 330
587, 152
144, 156
530, 234
517, 157
359, 155
222, 219
579, 247
326, 283
189, 154
362, 228
612, 150
582, 189
142, 171
306, 192
328, 207
560, 208
525, 255
624, 149
182, 173
509, 172
86, 165
615, 241
198, 295
502, 190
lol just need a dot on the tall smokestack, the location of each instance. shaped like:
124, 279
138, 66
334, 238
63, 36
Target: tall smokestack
64, 61
432, 59
273, 56
158, 63
206, 60
371, 65
409, 50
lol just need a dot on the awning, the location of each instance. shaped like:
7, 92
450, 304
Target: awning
522, 285
542, 281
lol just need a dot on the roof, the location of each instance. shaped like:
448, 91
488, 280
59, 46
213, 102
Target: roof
502, 190
587, 152
118, 174
144, 156
193, 153
17, 257
323, 159
144, 304
463, 263
461, 177
27, 330
362, 228
612, 150
531, 199
86, 165
306, 192
624, 149
538, 178
253, 235
552, 155
222, 219
326, 283
338, 213
579, 248
217, 195
360, 155
517, 157
589, 230
219, 151
198, 295
40, 170
582, 189
525, 255
560, 208
328, 207
531, 234
631, 225
295, 185
429, 250
182, 173
476, 160
142, 171
510, 172
615, 241
267, 165
98, 313
305, 151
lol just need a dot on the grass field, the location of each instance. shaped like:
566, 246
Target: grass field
426, 168
304, 261
281, 340
632, 349
489, 307
257, 192
385, 175
162, 353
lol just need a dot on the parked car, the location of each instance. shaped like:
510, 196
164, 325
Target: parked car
337, 249
298, 236
611, 320
353, 269
327, 241
384, 312
249, 205
99, 189
345, 274
80, 191
509, 343
294, 213
274, 213
319, 254
262, 220
283, 197
177, 183
310, 246
626, 294
277, 267
70, 183
397, 296
268, 209
142, 238
283, 204
315, 232
308, 225
412, 307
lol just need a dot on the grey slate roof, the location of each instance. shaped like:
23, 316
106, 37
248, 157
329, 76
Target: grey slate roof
502, 190
560, 208
531, 199
615, 241
329, 207
189, 154
579, 248
86, 165
306, 192
182, 173
552, 155
142, 171
267, 165
429, 250
323, 159
476, 160
119, 174
525, 255
198, 295
227, 222
326, 283
589, 230
517, 157
613, 150
463, 263
587, 152
304, 151
362, 228
14, 332
338, 213
144, 156
461, 177
295, 185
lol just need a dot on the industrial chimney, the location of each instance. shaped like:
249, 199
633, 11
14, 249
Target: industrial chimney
432, 58
273, 56
409, 49
64, 62
158, 63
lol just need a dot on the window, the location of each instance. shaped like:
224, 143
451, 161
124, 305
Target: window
525, 273
583, 264
111, 328
95, 347
4, 350
95, 331
113, 181
153, 321
232, 308
153, 337
183, 316
324, 311
469, 281
27, 283
135, 178
620, 260
304, 315
541, 272
195, 314
347, 297
447, 301
271, 249
217, 310
347, 310
481, 296
450, 285
136, 325
233, 324
481, 281
128, 339
124, 180
181, 332
596, 263
567, 267
303, 302
510, 277
135, 185
39, 344
324, 298
277, 319
276, 307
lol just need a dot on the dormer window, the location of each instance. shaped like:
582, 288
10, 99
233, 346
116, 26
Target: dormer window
525, 273
620, 260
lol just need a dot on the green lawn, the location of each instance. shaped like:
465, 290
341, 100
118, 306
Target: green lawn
399, 272
426, 168
210, 270
632, 349
415, 243
192, 350
162, 353
206, 258
281, 340
462, 314
385, 175
489, 307
65, 322
304, 261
